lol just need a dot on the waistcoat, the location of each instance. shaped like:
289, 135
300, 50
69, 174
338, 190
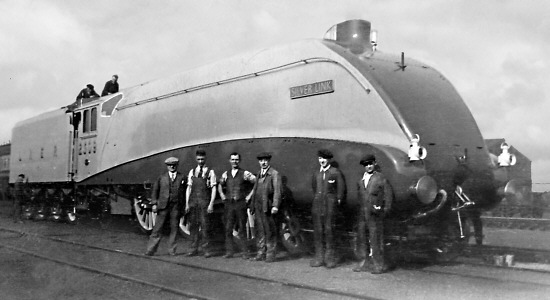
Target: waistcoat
236, 186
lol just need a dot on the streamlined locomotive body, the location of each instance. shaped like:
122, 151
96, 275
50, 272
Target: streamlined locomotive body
337, 93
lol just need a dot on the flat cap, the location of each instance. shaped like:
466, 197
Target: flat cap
369, 158
324, 153
172, 161
90, 86
263, 155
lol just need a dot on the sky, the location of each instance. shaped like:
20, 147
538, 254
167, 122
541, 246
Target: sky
494, 52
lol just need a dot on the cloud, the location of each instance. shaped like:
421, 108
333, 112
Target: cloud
30, 28
494, 52
10, 117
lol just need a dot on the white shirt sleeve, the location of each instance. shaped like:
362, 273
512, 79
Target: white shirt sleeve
249, 176
212, 177
190, 178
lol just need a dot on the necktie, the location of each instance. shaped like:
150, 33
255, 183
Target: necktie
172, 176
324, 175
200, 172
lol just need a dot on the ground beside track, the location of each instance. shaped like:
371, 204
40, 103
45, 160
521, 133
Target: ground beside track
25, 277
426, 282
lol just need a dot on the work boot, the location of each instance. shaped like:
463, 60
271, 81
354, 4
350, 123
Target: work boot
270, 258
363, 266
247, 255
330, 260
192, 253
259, 257
479, 240
228, 255
318, 260
378, 267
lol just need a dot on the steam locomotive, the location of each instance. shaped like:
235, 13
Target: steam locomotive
338, 93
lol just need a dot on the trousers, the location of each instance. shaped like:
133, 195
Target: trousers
172, 212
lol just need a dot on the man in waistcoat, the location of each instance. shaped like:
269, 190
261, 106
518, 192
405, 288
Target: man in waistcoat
375, 197
266, 200
167, 195
236, 196
199, 202
328, 191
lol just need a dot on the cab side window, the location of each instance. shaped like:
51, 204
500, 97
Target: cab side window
90, 120
86, 123
93, 119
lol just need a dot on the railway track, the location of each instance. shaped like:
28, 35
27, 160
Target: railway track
483, 273
488, 253
182, 267
517, 223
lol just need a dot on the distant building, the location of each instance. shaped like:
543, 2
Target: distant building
4, 170
521, 170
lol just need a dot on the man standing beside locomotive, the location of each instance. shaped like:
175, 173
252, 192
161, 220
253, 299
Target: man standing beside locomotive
167, 196
19, 190
328, 191
199, 202
266, 201
375, 197
235, 183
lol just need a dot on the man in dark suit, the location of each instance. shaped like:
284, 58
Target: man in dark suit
266, 201
328, 191
111, 86
235, 192
167, 197
375, 197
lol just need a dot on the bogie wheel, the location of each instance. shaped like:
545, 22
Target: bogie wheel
144, 215
71, 215
291, 235
28, 212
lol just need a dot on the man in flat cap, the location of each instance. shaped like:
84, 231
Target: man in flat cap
111, 86
86, 93
266, 200
167, 196
199, 202
235, 191
375, 197
328, 192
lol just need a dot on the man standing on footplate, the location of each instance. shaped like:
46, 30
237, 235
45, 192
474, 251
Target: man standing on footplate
167, 196
236, 182
199, 202
375, 197
266, 202
329, 189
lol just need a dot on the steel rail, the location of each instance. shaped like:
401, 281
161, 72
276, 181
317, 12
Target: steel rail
111, 274
267, 280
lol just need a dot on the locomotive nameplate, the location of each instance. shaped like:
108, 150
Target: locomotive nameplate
312, 89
